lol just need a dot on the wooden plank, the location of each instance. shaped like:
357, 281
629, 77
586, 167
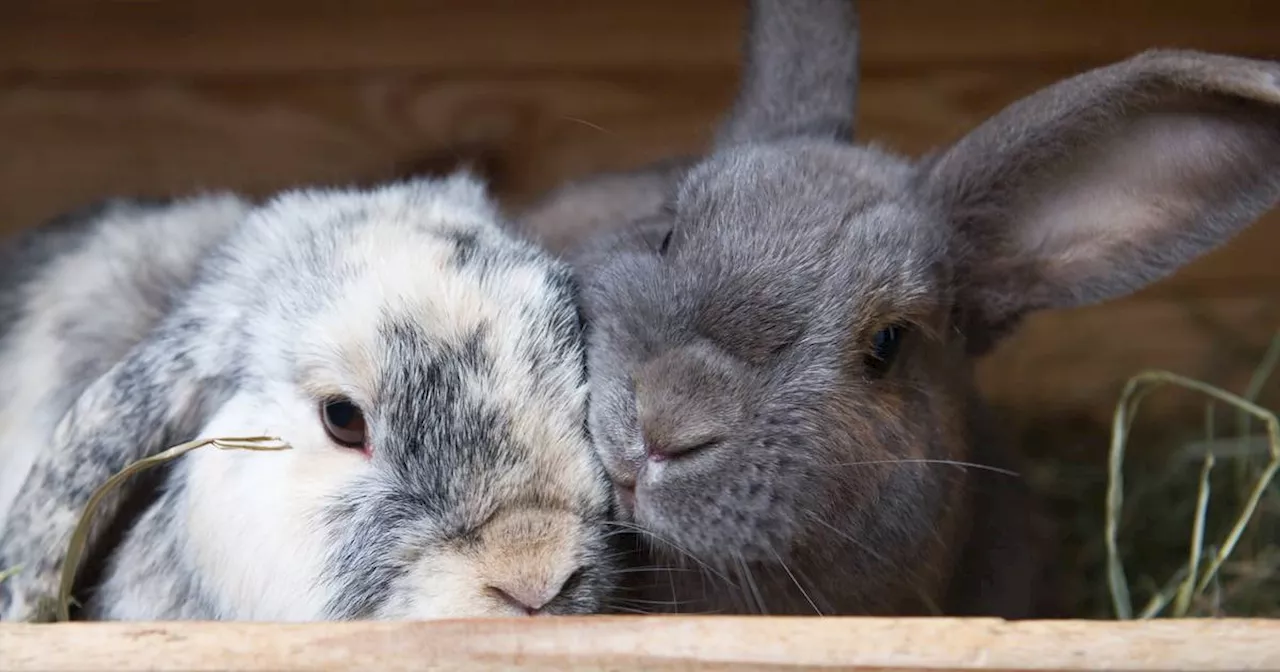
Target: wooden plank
1075, 362
65, 143
291, 36
650, 643
69, 142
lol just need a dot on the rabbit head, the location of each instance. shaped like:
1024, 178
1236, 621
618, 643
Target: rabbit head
780, 353
426, 369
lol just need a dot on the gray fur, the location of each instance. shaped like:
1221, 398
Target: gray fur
195, 319
730, 327
785, 91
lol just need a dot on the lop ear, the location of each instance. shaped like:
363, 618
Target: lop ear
1105, 182
159, 395
799, 73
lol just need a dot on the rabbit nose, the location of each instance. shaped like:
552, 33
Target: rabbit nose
528, 595
685, 402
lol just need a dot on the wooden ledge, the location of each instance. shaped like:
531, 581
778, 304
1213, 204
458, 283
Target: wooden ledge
652, 643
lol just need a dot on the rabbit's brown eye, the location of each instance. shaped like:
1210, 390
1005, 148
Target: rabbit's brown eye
344, 422
884, 348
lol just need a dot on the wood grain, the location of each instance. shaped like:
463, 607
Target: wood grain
292, 36
67, 143
649, 643
107, 97
1079, 360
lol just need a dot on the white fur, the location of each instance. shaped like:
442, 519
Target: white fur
91, 284
254, 527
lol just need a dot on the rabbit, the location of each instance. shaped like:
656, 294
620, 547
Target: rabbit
424, 366
781, 336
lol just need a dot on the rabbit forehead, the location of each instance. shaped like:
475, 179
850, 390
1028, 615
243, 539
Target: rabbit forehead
777, 200
457, 332
775, 242
809, 212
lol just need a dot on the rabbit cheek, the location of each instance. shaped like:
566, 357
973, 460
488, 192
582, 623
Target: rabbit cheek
442, 584
253, 517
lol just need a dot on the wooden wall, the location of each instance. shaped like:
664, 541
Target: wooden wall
166, 96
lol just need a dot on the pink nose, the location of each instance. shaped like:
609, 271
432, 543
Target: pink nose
528, 593
530, 604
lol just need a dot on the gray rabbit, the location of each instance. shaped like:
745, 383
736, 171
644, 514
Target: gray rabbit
781, 334
425, 367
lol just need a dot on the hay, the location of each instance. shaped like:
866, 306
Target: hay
1191, 528
79, 537
1189, 583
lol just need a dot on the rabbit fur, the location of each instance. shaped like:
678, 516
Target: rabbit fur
782, 333
133, 326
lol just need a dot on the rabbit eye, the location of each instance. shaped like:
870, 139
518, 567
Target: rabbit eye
666, 241
884, 348
658, 238
344, 422
655, 233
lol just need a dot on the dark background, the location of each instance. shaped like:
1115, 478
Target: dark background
113, 97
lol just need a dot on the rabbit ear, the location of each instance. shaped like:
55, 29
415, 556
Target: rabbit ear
1105, 182
800, 72
597, 206
159, 395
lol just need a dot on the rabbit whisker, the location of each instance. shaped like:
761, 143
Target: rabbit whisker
848, 537
588, 124
638, 601
915, 585
616, 533
654, 568
816, 593
754, 588
953, 463
794, 580
628, 610
667, 542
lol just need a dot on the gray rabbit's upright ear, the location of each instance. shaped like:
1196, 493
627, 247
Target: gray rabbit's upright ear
799, 73
159, 395
1105, 182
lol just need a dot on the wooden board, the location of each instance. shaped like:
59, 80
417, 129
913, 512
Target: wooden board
155, 97
293, 36
1077, 361
67, 143
650, 643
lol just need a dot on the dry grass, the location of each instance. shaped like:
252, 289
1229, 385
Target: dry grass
57, 608
1181, 515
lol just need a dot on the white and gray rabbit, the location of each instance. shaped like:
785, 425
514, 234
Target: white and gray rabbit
424, 365
781, 334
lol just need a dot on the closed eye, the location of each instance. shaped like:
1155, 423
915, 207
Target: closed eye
666, 241
657, 233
